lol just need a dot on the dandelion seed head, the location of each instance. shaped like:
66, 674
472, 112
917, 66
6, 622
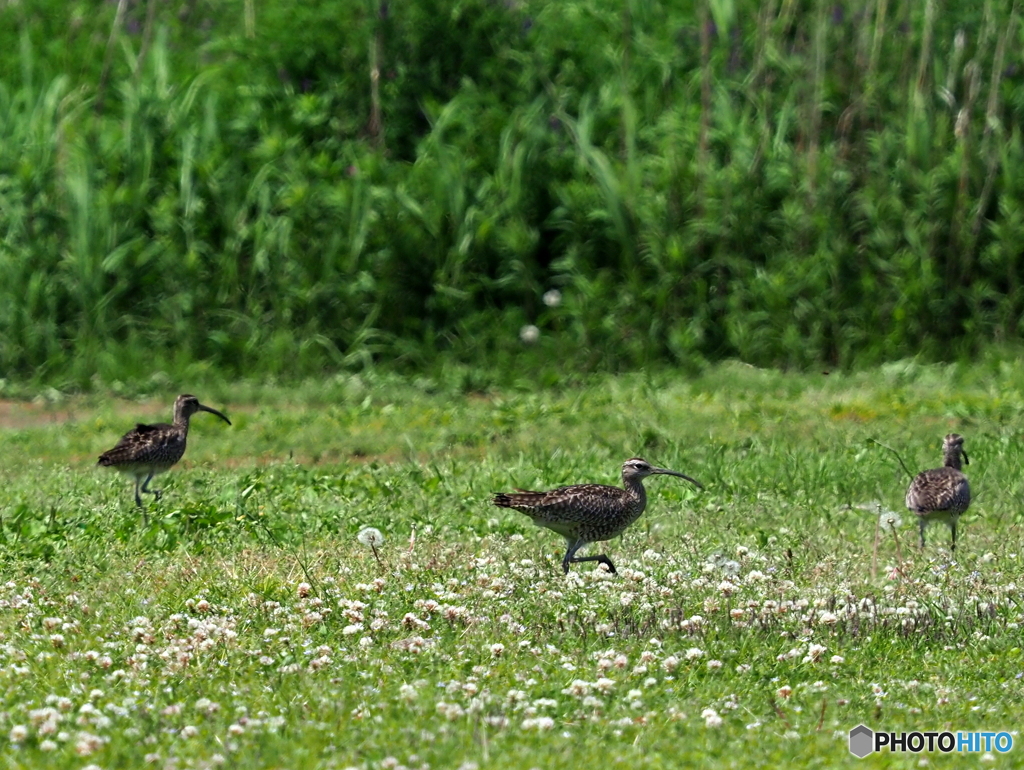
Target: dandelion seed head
370, 537
889, 521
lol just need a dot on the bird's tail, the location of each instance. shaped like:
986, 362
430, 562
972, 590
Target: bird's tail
520, 500
113, 456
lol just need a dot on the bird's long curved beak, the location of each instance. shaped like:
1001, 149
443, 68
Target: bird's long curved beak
966, 461
211, 410
667, 472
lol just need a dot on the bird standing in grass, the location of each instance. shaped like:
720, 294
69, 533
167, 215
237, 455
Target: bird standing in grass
151, 449
942, 494
589, 513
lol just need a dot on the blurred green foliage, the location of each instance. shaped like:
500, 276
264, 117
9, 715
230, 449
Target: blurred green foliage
286, 188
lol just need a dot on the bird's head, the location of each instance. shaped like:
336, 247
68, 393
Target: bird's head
187, 405
636, 469
953, 446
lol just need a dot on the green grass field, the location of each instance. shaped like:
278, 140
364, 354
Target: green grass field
751, 624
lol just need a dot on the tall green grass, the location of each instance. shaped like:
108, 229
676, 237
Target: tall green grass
282, 190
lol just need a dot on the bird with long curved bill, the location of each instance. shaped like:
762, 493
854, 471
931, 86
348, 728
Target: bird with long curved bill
942, 494
589, 513
148, 450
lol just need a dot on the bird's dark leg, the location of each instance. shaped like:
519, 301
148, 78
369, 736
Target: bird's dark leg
572, 558
923, 523
602, 559
570, 551
145, 488
952, 526
138, 497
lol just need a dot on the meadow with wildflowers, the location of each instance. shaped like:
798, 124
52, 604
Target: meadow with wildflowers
325, 584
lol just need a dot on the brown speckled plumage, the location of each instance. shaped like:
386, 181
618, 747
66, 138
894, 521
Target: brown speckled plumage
151, 449
589, 513
942, 494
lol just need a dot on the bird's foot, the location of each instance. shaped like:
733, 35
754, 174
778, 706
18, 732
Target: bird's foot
601, 559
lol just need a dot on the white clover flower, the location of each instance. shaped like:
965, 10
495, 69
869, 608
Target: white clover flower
714, 665
538, 723
604, 684
693, 653
785, 691
711, 718
815, 651
529, 334
87, 744
552, 298
18, 733
408, 692
450, 711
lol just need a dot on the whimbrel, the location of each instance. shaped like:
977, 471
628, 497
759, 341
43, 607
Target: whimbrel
151, 449
942, 494
589, 513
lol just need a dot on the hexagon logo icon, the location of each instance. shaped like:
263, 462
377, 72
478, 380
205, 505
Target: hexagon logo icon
862, 741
